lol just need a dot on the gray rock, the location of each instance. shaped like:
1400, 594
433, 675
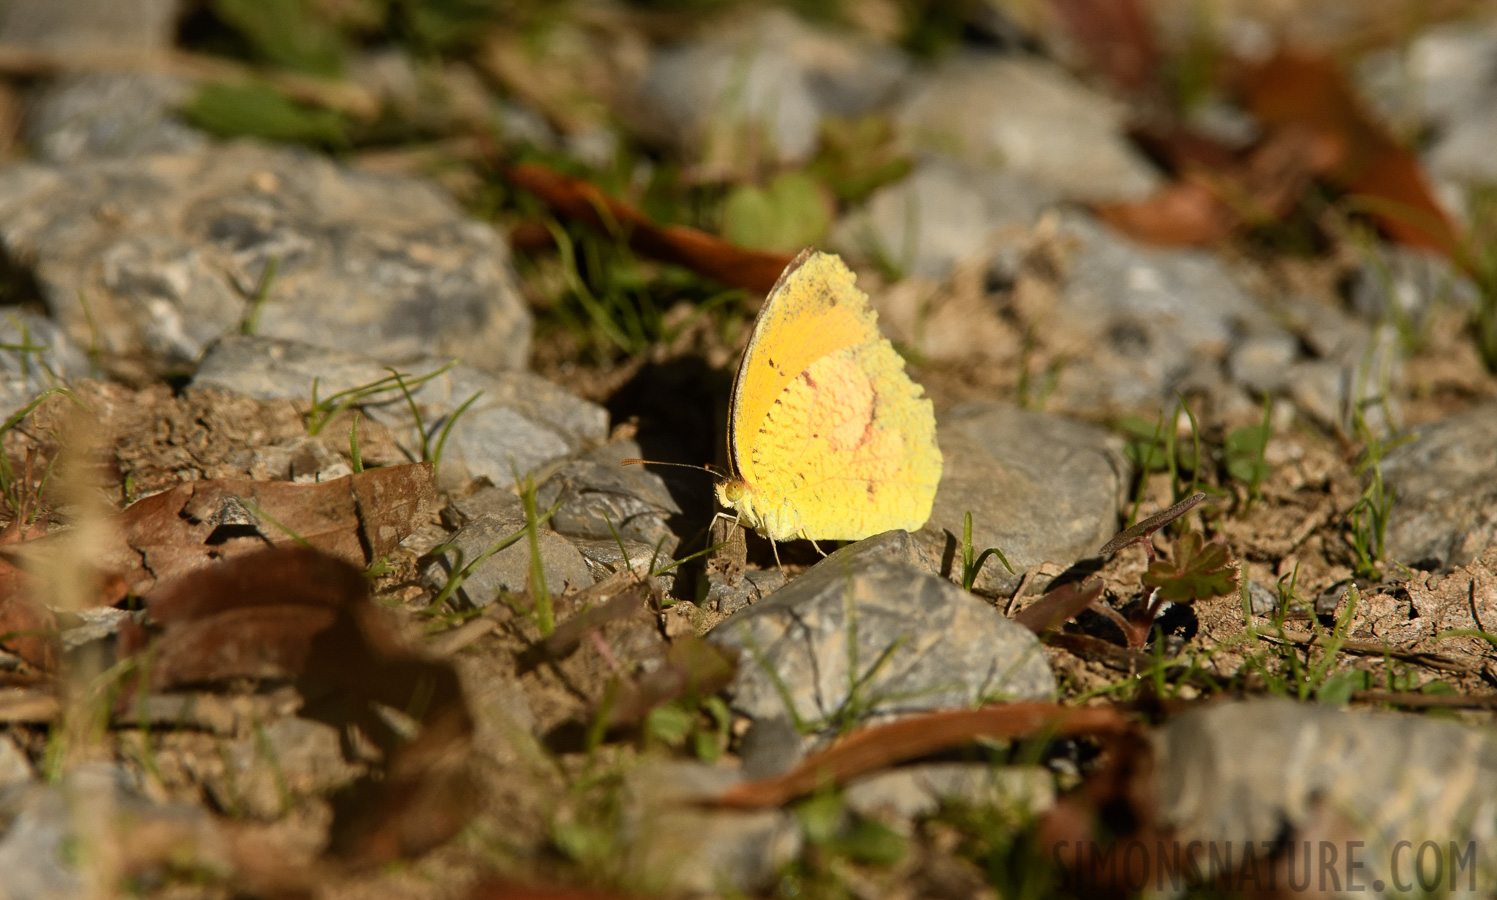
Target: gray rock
910, 792
1445, 507
771, 746
489, 500
841, 645
1436, 77
1262, 769
508, 569
1261, 364
1406, 286
84, 26
103, 115
600, 498
943, 213
1145, 316
1031, 117
283, 760
1040, 489
753, 586
520, 422
159, 255
678, 847
769, 74
1261, 600
35, 356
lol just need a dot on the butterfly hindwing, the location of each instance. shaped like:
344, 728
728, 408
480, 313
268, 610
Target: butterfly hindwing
830, 437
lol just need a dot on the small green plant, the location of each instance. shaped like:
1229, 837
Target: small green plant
1155, 447
540, 594
1367, 520
704, 725
19, 492
251, 323
325, 409
1244, 452
972, 565
428, 452
355, 458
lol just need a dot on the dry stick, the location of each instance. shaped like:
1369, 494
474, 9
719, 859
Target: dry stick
877, 748
1369, 648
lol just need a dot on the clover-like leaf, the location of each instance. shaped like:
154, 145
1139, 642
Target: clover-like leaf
1196, 570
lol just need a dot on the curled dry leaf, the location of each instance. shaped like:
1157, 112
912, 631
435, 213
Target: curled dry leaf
584, 202
1314, 128
357, 518
297, 614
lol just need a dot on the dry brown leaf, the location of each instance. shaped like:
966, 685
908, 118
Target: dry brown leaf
1059, 606
358, 518
294, 613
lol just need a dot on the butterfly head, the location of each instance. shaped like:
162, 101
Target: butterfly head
731, 493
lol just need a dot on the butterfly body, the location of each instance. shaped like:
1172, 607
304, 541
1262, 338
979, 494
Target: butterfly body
829, 438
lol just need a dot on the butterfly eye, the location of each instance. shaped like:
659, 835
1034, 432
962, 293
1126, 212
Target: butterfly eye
733, 490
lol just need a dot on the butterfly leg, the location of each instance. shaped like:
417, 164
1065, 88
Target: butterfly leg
774, 546
818, 547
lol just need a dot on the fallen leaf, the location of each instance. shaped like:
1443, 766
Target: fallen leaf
294, 613
357, 518
1310, 90
584, 202
875, 748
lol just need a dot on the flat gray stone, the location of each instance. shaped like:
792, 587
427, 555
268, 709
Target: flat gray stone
753, 586
110, 115
520, 423
603, 499
768, 73
910, 641
507, 570
1040, 488
1031, 117
606, 557
1257, 770
154, 257
945, 211
1445, 509
1146, 317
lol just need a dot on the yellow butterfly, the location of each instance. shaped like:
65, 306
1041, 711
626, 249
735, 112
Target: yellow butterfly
828, 437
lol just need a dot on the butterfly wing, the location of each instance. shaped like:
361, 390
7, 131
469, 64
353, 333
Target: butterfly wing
830, 436
814, 309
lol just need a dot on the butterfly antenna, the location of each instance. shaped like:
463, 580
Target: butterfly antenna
710, 469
